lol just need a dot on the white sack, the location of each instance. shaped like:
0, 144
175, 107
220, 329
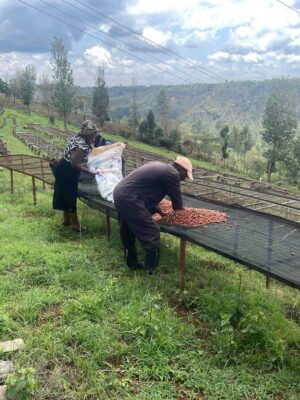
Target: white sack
108, 164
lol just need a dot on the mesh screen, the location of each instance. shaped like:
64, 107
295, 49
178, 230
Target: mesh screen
263, 242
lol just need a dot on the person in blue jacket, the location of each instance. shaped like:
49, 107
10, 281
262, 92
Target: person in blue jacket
101, 141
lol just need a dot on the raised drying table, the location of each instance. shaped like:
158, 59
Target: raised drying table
262, 242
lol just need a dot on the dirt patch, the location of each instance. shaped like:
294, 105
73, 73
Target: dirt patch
181, 393
50, 314
189, 315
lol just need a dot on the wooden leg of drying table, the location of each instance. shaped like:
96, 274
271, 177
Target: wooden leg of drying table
11, 181
182, 264
107, 224
33, 190
268, 282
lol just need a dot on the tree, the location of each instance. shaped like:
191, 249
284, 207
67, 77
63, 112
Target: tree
148, 129
46, 91
151, 124
246, 142
63, 81
279, 123
292, 162
28, 79
100, 98
163, 109
224, 135
78, 104
134, 115
235, 139
175, 139
143, 129
4, 88
15, 85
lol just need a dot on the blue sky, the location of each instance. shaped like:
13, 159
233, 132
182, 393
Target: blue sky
234, 39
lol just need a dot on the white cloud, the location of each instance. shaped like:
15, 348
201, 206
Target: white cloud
157, 36
14, 61
224, 56
97, 56
194, 38
156, 7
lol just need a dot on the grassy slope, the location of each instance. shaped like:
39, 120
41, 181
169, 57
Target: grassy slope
93, 330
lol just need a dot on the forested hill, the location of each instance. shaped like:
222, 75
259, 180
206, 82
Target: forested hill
206, 106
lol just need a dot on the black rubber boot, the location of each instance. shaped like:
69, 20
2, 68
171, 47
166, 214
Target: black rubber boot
151, 260
132, 259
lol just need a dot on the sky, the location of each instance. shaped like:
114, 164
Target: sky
157, 42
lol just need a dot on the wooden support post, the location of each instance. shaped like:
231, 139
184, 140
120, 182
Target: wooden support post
107, 224
268, 282
11, 181
182, 264
43, 176
33, 190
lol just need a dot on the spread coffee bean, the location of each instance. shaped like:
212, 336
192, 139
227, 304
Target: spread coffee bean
189, 217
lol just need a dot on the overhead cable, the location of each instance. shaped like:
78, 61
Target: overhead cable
110, 35
103, 41
154, 44
290, 7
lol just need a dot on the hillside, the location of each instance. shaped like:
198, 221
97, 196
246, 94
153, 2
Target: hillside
205, 107
94, 330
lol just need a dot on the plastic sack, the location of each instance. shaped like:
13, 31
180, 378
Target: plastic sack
107, 161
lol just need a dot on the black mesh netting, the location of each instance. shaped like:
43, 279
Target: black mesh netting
263, 242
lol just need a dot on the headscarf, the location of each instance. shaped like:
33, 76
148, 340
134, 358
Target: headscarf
88, 129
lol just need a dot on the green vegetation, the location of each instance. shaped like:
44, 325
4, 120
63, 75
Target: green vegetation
100, 98
27, 84
63, 81
94, 330
21, 384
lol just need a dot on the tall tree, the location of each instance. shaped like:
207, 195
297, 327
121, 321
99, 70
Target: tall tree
46, 91
28, 79
148, 131
175, 139
235, 139
224, 135
100, 98
292, 162
151, 123
134, 114
63, 81
15, 85
163, 107
246, 143
279, 123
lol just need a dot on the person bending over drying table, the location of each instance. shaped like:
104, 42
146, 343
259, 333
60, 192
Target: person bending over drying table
68, 170
137, 198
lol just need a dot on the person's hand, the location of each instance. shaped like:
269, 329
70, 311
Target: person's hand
93, 173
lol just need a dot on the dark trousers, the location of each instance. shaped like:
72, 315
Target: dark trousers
65, 187
136, 222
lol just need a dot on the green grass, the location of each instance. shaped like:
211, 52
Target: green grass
94, 330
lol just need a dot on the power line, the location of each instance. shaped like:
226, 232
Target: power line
108, 34
154, 44
290, 7
103, 41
